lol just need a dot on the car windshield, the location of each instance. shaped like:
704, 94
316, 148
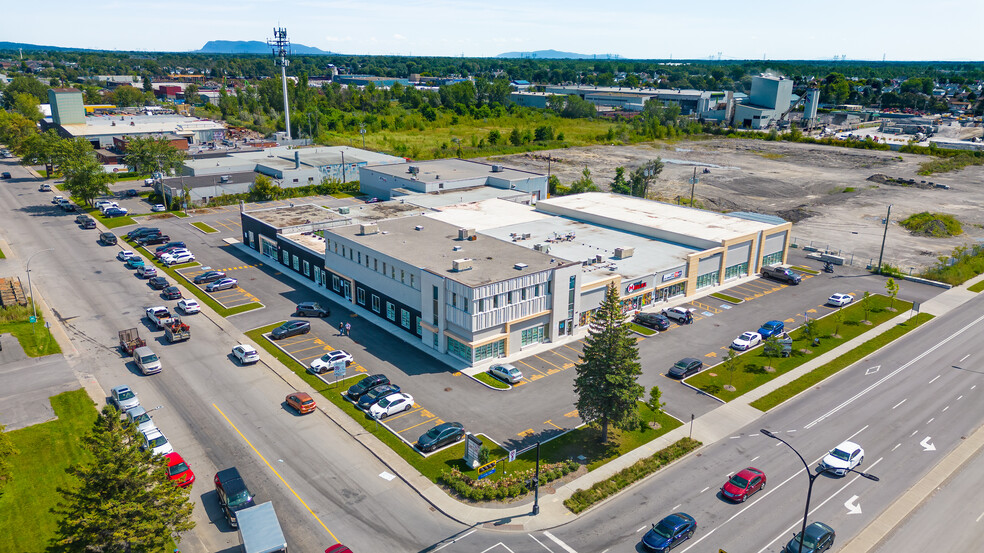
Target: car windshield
126, 395
663, 529
681, 365
433, 432
177, 469
514, 371
158, 441
842, 455
140, 419
149, 358
738, 482
240, 499
810, 542
384, 402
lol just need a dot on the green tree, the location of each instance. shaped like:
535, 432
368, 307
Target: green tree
892, 287
15, 129
619, 184
148, 154
42, 149
128, 96
7, 451
607, 370
811, 330
583, 184
192, 98
866, 304
838, 321
642, 177
731, 364
515, 138
27, 105
124, 500
86, 179
24, 84
494, 137
264, 189
654, 403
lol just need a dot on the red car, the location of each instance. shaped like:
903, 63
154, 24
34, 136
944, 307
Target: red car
743, 484
338, 548
301, 402
179, 471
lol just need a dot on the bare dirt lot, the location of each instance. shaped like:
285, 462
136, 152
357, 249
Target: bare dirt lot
823, 190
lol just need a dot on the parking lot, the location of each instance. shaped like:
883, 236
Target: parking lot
230, 297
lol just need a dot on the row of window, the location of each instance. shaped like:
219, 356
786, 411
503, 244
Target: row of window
405, 277
736, 270
391, 309
502, 300
772, 259
707, 279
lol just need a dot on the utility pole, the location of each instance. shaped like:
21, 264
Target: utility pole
884, 235
536, 483
693, 184
281, 49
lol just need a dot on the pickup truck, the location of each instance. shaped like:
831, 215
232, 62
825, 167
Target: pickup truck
159, 316
130, 340
177, 331
781, 274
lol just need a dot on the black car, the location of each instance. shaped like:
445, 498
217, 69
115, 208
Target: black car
440, 436
685, 367
232, 493
131, 193
108, 238
113, 212
819, 538
311, 309
140, 231
652, 320
158, 282
171, 293
669, 533
88, 223
366, 384
291, 328
210, 276
5, 175
154, 239
373, 395
170, 245
81, 217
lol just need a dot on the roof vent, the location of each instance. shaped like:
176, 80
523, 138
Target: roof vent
344, 210
496, 168
418, 227
599, 258
466, 234
413, 170
543, 248
368, 228
459, 265
624, 253
520, 266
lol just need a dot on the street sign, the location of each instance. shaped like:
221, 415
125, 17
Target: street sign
339, 368
472, 446
32, 319
915, 306
487, 469
512, 455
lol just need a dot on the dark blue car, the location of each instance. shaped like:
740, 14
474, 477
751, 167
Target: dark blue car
669, 532
771, 328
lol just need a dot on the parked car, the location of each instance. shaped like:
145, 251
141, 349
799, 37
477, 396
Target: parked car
301, 402
290, 328
375, 394
123, 398
172, 252
124, 255
135, 262
158, 208
88, 223
669, 533
56, 199
5, 175
246, 354
177, 258
685, 367
506, 373
362, 386
156, 442
170, 246
131, 193
150, 240
771, 328
222, 284
781, 274
840, 300
232, 493
147, 271
108, 238
189, 306
311, 309
178, 470
140, 231
81, 217
103, 205
147, 361
372, 200
323, 363
45, 187
747, 340
819, 538
678, 314
440, 435
209, 276
172, 293
115, 212
657, 321
158, 283
391, 405
139, 417
842, 459
742, 485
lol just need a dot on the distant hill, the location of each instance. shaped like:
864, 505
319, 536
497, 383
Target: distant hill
554, 55
38, 47
253, 47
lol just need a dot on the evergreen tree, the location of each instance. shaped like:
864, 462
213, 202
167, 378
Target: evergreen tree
642, 177
124, 500
606, 385
619, 184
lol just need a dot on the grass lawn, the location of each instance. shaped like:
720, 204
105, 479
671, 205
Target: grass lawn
727, 298
204, 228
36, 341
975, 288
751, 371
806, 270
114, 222
780, 395
491, 380
641, 329
46, 451
2, 256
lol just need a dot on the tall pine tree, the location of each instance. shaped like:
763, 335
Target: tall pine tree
606, 387
124, 501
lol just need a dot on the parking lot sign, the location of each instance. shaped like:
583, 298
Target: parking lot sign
512, 455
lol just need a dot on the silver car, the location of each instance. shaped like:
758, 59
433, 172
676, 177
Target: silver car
140, 417
506, 372
123, 398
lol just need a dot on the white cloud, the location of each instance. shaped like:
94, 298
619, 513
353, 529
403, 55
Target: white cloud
398, 36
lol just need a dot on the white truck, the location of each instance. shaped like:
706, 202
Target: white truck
260, 530
159, 317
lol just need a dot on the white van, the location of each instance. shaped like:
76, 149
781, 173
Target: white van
147, 360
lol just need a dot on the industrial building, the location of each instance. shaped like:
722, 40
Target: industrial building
443, 175
705, 104
470, 281
769, 100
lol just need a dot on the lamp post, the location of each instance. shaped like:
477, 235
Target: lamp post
30, 289
362, 131
812, 476
536, 483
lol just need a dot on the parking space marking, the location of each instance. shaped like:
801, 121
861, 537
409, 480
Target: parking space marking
433, 419
573, 349
415, 409
571, 414
549, 371
550, 422
562, 357
705, 307
526, 433
542, 374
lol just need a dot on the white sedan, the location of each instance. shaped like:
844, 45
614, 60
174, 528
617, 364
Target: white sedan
155, 441
840, 300
323, 363
842, 459
246, 354
177, 259
158, 207
189, 306
391, 404
747, 340
124, 255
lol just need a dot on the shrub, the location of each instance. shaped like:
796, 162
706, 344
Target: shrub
513, 485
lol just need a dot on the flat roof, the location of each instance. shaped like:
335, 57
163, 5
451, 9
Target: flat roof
432, 248
487, 214
309, 240
687, 221
302, 214
96, 125
445, 198
438, 170
292, 216
318, 156
209, 180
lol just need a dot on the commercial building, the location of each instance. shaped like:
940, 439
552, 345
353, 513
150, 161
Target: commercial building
442, 175
101, 130
66, 106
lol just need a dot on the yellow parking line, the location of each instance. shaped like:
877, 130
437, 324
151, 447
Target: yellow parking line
416, 425
561, 356
405, 413
573, 349
550, 422
532, 367
549, 363
258, 454
288, 344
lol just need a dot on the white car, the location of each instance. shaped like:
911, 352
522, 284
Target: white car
140, 417
391, 404
98, 204
124, 255
189, 306
155, 441
506, 372
246, 354
56, 199
158, 207
147, 271
747, 340
842, 459
103, 207
678, 314
177, 259
840, 300
326, 361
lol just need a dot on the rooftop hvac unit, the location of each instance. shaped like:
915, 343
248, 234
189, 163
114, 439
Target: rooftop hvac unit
543, 248
520, 266
624, 253
368, 228
459, 265
599, 259
413, 170
343, 210
466, 233
496, 168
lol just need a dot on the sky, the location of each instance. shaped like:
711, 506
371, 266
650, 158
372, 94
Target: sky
654, 29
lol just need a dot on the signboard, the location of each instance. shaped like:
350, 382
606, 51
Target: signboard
472, 447
339, 368
673, 275
633, 287
487, 469
512, 455
32, 319
915, 307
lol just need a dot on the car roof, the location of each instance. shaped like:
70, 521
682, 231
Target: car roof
847, 446
688, 360
136, 411
772, 323
445, 425
818, 529
678, 518
121, 388
302, 396
173, 458
749, 472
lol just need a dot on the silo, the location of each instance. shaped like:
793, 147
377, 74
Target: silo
810, 110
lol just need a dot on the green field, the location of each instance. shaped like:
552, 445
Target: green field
46, 450
36, 339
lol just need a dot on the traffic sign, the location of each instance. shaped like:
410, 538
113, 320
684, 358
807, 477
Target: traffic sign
32, 319
512, 455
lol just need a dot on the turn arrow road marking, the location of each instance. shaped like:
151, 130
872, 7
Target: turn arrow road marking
927, 445
853, 509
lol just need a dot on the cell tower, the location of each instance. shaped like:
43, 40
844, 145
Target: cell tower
281, 49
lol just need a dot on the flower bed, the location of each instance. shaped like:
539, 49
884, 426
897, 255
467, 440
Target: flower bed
514, 485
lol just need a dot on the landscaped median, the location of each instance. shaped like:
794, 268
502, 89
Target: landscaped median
488, 379
753, 368
446, 467
204, 227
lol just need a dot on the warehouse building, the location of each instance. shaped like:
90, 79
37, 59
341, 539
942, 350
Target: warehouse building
769, 99
443, 175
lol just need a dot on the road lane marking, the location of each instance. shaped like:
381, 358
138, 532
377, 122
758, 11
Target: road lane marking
944, 409
463, 536
930, 420
753, 458
705, 489
677, 507
901, 402
913, 433
558, 542
539, 542
964, 358
896, 447
262, 458
958, 398
934, 380
896, 371
640, 530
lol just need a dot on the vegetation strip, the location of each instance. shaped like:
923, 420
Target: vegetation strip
641, 329
806, 270
819, 374
727, 298
204, 227
977, 287
35, 339
487, 378
582, 499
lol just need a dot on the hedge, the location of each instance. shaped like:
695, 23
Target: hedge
514, 485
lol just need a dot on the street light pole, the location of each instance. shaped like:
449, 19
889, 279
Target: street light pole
30, 289
812, 476
536, 483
